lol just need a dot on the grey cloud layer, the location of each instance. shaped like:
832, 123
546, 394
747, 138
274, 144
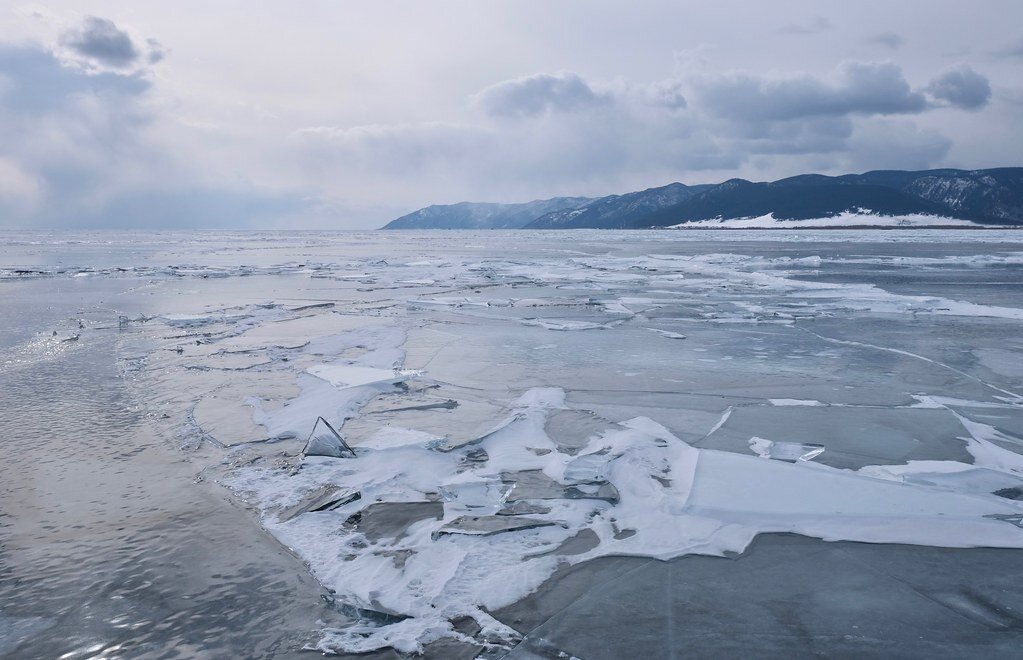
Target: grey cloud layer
544, 92
961, 87
560, 126
75, 150
67, 130
891, 40
855, 88
813, 26
100, 42
100, 39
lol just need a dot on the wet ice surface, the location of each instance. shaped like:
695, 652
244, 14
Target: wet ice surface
527, 410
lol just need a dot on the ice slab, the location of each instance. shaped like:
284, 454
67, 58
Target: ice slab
346, 375
790, 452
588, 468
395, 436
325, 498
490, 525
391, 520
535, 485
475, 495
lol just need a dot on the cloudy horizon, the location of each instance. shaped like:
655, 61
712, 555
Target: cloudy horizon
348, 115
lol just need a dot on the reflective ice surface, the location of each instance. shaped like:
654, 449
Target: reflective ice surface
536, 416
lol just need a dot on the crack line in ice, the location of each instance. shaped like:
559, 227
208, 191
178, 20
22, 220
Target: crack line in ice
897, 351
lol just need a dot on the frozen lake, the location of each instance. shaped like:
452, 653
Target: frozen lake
602, 444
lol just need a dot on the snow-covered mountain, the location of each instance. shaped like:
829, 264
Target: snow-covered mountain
618, 211
472, 215
991, 196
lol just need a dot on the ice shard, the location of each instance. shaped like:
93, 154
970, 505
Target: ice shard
488, 525
790, 452
325, 498
326, 441
476, 495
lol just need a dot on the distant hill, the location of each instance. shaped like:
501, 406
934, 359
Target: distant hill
743, 199
991, 197
618, 211
470, 215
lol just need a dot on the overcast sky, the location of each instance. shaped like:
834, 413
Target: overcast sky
346, 114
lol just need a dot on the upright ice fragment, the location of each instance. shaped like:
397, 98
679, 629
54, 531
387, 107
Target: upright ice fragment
325, 441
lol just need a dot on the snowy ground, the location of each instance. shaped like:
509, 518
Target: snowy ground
520, 404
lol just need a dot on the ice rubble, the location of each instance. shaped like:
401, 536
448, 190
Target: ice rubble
673, 498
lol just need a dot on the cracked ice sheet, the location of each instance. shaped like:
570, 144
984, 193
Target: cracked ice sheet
898, 357
675, 498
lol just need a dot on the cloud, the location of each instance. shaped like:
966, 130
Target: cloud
99, 39
568, 138
855, 88
816, 25
1013, 50
667, 93
538, 94
38, 84
156, 51
961, 87
894, 144
396, 149
74, 136
17, 186
818, 135
891, 40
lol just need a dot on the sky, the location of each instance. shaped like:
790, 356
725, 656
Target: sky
346, 114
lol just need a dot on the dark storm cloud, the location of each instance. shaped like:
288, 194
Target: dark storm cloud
961, 87
101, 40
857, 88
538, 94
891, 40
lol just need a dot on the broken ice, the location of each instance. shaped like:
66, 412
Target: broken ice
436, 432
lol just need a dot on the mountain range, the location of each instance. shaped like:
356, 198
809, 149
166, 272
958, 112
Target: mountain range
984, 197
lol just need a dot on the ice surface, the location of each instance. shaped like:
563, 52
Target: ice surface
545, 379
